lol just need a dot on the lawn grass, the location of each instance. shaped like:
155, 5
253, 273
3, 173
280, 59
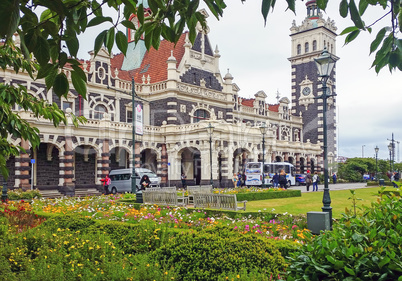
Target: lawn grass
312, 201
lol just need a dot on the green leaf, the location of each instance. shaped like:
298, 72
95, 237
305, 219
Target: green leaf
394, 59
343, 8
41, 50
72, 43
10, 17
378, 39
363, 4
352, 36
266, 5
79, 83
44, 70
140, 14
128, 24
78, 70
349, 270
121, 42
110, 39
322, 4
348, 30
98, 20
355, 16
384, 261
60, 86
49, 79
99, 40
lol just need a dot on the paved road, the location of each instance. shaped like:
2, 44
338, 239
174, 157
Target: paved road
338, 186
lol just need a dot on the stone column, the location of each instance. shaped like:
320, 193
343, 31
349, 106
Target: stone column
286, 157
308, 164
23, 166
67, 168
320, 164
163, 164
103, 167
298, 163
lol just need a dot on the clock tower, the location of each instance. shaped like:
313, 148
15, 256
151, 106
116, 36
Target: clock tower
308, 41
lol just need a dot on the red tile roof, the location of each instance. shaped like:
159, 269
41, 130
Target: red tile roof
154, 62
273, 107
248, 102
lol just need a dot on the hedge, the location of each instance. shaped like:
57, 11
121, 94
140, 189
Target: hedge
254, 196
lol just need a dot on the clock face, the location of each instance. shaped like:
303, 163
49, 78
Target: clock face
306, 91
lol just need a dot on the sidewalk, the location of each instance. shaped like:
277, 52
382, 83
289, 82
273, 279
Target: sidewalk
331, 186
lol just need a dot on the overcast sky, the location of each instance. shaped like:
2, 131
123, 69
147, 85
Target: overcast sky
369, 105
257, 57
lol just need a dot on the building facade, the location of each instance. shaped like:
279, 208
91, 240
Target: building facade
181, 91
308, 41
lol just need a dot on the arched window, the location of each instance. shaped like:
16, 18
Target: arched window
299, 49
200, 114
314, 45
99, 111
306, 47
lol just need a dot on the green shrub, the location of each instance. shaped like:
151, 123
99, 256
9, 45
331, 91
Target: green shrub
362, 247
207, 254
253, 196
19, 194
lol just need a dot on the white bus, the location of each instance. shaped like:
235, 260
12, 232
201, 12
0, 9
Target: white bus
254, 172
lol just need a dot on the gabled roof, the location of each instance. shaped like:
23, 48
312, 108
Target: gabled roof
153, 64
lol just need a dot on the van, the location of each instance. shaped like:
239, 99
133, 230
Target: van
121, 179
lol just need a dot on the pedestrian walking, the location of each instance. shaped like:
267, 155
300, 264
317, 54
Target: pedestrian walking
275, 180
234, 180
238, 179
282, 180
183, 180
315, 181
309, 180
106, 182
334, 178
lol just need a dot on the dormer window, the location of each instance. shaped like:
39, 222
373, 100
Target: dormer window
200, 114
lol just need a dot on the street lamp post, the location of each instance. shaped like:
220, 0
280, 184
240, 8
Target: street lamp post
376, 149
390, 157
210, 130
133, 177
325, 64
263, 130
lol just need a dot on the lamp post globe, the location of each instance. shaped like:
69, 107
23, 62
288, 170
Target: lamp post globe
376, 149
325, 64
263, 130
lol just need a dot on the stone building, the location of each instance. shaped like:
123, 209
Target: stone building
308, 41
180, 90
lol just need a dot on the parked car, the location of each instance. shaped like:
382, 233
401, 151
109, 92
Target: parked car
300, 179
121, 179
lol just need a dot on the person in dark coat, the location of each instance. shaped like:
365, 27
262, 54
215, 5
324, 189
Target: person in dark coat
282, 180
309, 180
334, 178
275, 180
145, 182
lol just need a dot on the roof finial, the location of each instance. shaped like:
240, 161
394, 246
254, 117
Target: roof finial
278, 96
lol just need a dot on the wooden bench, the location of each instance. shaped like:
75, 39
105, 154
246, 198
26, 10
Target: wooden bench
162, 189
198, 189
163, 198
218, 201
